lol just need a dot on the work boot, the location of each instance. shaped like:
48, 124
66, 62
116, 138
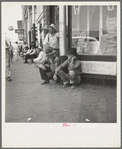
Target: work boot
74, 86
45, 82
25, 62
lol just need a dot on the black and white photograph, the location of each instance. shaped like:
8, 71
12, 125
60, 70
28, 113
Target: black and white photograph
60, 74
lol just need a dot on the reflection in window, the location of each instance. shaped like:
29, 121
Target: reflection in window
94, 30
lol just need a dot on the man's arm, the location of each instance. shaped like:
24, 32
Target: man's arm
64, 64
33, 52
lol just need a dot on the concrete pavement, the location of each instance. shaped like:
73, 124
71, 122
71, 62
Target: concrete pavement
27, 98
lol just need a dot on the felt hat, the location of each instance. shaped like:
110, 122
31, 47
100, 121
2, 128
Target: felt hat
45, 28
72, 51
26, 47
53, 26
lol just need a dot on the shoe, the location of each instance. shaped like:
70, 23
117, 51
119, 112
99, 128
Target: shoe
73, 86
25, 62
45, 82
9, 79
65, 85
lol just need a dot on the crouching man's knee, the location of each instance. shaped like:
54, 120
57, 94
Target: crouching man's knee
72, 73
60, 72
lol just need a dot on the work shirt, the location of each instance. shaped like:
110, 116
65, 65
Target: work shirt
45, 39
72, 64
54, 40
16, 48
40, 56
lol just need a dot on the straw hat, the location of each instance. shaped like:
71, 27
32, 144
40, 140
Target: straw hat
53, 26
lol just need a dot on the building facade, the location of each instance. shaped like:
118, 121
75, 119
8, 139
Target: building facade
92, 30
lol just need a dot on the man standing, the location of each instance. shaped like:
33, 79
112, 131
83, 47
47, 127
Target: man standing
11, 52
16, 50
8, 68
53, 37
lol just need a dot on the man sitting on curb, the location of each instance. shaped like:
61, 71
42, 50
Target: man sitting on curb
74, 68
48, 65
30, 54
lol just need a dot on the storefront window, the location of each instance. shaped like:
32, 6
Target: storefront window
94, 30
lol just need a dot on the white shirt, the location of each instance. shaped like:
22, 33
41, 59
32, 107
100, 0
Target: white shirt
40, 56
45, 39
54, 40
16, 48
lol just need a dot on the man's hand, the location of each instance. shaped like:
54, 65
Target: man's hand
74, 58
42, 67
57, 70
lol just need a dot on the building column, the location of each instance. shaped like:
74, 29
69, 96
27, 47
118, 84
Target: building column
28, 27
69, 27
100, 23
33, 22
30, 39
38, 32
62, 30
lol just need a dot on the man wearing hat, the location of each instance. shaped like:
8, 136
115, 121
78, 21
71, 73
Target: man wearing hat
48, 65
74, 68
31, 53
54, 38
45, 35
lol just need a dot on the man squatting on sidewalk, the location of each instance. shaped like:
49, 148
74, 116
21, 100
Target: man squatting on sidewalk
74, 69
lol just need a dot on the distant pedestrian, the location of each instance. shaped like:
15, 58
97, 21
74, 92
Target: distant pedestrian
53, 37
16, 50
8, 68
11, 52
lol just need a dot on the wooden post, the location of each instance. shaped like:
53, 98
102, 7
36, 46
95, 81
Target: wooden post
87, 21
30, 39
88, 26
69, 27
62, 29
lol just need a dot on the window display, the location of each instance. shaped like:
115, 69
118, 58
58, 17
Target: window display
95, 32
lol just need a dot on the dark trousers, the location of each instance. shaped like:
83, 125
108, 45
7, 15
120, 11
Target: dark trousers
28, 56
11, 57
43, 73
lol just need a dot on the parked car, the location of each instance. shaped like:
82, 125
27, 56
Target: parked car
86, 45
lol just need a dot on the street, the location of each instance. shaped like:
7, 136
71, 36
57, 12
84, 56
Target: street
29, 101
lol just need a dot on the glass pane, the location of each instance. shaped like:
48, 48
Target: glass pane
94, 30
108, 45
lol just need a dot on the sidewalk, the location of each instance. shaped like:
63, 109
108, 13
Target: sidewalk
27, 98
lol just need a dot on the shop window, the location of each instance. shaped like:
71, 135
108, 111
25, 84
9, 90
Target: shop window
95, 30
108, 44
